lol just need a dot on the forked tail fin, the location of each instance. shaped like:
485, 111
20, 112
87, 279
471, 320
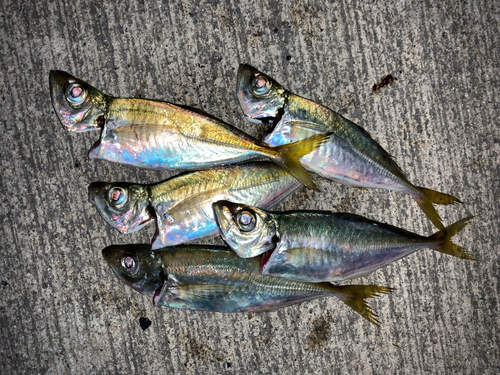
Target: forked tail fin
288, 157
354, 296
427, 197
443, 240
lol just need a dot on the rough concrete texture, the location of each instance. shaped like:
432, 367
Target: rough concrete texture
62, 310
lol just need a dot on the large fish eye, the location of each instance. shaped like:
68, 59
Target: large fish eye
75, 94
261, 85
117, 196
129, 263
246, 221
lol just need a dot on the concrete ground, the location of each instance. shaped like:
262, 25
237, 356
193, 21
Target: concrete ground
63, 311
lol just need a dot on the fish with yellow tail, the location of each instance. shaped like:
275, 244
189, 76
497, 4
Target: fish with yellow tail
317, 246
208, 278
159, 135
350, 156
182, 205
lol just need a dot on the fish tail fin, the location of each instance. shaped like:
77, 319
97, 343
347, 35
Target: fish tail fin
288, 157
427, 197
444, 243
354, 296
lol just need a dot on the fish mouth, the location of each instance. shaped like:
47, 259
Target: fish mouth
218, 208
223, 216
245, 96
57, 81
52, 78
107, 253
93, 190
245, 72
110, 253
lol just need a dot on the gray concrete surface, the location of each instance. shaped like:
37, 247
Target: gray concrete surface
63, 311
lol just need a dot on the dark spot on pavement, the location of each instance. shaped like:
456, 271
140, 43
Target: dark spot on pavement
385, 81
145, 323
319, 334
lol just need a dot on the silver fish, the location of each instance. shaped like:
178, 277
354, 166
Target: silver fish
323, 246
209, 278
159, 135
350, 156
182, 205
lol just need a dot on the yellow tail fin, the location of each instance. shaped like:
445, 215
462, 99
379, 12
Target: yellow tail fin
289, 155
443, 239
427, 197
354, 296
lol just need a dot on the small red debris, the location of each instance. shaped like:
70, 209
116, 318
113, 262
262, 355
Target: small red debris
385, 81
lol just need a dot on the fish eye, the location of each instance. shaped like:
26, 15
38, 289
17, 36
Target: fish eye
129, 263
246, 221
261, 85
75, 94
117, 196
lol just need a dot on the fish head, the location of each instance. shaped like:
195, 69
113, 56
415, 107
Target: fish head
247, 230
261, 97
79, 106
136, 265
124, 206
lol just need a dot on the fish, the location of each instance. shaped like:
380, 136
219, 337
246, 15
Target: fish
154, 134
213, 278
319, 246
182, 205
350, 156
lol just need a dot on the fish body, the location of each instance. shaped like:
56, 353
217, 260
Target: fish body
323, 246
199, 277
182, 205
350, 156
159, 135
